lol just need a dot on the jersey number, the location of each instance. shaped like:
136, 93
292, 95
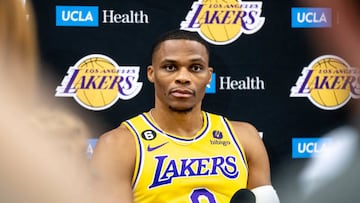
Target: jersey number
198, 193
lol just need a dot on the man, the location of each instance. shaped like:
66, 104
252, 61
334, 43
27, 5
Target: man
176, 152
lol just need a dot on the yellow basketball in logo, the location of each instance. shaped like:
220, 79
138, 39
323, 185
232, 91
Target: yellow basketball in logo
219, 20
95, 83
327, 85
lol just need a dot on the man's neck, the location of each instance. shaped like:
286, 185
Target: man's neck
185, 124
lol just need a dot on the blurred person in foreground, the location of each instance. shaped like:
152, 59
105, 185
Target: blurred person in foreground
333, 176
176, 152
42, 147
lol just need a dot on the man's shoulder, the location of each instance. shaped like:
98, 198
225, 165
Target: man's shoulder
133, 117
120, 133
214, 114
243, 125
245, 130
115, 135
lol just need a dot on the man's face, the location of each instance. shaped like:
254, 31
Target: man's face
180, 72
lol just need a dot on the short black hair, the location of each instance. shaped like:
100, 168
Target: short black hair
179, 34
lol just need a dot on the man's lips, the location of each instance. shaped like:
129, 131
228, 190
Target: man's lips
181, 92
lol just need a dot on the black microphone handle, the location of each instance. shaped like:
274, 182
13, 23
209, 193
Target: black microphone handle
243, 196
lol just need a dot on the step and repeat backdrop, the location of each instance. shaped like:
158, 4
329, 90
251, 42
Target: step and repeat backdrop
267, 68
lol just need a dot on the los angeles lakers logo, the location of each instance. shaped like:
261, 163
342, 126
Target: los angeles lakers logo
221, 22
329, 82
96, 82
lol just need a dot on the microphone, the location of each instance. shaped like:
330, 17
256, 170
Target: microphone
243, 196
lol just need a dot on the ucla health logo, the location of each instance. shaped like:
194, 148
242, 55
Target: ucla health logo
328, 82
222, 22
86, 16
310, 17
310, 147
96, 82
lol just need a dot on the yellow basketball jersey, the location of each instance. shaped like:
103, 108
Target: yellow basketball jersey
210, 167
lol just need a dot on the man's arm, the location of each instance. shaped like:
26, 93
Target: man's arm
112, 165
259, 180
256, 155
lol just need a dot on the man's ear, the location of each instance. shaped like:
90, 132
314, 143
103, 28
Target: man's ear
150, 73
210, 73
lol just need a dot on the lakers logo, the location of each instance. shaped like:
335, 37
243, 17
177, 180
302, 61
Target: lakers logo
96, 82
329, 83
221, 22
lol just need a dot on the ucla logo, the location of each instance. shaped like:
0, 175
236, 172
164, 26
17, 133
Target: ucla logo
96, 82
328, 82
87, 16
222, 22
310, 147
310, 17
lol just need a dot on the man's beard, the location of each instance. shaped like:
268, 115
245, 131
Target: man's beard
177, 110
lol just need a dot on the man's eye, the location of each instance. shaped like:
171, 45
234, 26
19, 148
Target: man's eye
169, 67
196, 68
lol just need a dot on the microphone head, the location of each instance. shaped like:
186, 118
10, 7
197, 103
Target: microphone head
243, 196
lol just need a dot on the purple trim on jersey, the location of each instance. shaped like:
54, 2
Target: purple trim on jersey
141, 153
177, 138
234, 139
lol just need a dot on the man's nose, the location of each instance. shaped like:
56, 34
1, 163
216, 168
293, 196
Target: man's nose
183, 76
